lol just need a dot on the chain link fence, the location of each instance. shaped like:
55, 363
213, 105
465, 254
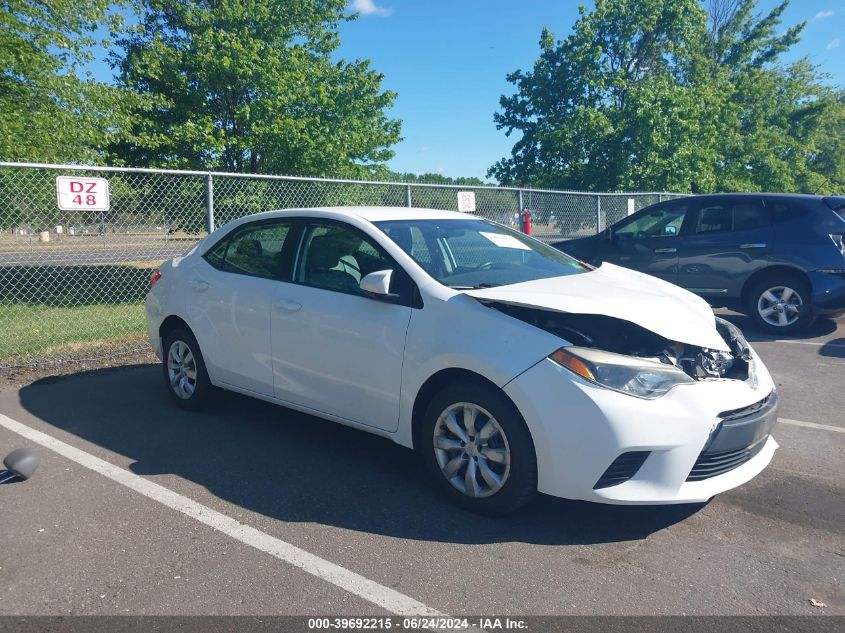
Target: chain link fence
73, 281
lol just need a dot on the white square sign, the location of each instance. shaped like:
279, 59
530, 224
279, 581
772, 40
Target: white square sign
466, 201
75, 193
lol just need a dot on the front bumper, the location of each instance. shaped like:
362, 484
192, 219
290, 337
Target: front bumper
580, 429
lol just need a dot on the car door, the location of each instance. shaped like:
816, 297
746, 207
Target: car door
725, 241
229, 306
648, 241
336, 350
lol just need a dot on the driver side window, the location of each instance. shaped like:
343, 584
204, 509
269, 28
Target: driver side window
337, 257
663, 221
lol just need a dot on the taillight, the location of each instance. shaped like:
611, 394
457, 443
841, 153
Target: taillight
154, 278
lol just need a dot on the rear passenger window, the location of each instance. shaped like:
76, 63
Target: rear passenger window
783, 211
749, 216
254, 250
217, 255
741, 216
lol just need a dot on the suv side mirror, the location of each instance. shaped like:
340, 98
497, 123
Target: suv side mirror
377, 285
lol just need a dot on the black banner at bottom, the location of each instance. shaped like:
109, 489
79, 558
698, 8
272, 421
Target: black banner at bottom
311, 624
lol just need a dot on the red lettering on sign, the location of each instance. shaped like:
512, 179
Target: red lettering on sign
75, 186
90, 188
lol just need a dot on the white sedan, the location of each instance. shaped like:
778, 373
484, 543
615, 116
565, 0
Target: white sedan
509, 366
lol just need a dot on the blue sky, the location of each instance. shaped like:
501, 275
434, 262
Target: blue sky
448, 59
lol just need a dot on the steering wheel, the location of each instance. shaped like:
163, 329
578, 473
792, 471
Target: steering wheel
485, 266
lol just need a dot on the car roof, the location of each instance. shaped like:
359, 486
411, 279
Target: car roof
794, 196
370, 214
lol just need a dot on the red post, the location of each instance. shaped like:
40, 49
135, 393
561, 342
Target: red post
526, 222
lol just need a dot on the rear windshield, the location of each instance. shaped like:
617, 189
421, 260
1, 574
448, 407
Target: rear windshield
837, 203
470, 253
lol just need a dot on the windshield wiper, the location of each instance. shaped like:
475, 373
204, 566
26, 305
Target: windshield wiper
476, 287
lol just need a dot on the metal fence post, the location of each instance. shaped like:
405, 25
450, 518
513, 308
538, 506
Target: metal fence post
521, 202
598, 214
209, 201
408, 196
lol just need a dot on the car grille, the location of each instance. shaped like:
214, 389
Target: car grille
622, 469
712, 464
741, 434
751, 409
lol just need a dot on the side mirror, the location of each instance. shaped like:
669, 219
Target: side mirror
377, 285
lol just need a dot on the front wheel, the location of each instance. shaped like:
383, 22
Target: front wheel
184, 371
780, 305
478, 449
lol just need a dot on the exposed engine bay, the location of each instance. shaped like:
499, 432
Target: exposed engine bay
623, 337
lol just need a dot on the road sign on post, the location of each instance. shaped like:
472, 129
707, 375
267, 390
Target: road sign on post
82, 194
466, 201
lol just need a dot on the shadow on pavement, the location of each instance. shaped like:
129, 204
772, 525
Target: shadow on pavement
296, 468
834, 348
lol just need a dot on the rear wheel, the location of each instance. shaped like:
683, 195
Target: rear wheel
780, 304
184, 371
478, 450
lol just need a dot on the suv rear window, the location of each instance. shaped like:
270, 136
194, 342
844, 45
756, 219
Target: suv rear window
837, 203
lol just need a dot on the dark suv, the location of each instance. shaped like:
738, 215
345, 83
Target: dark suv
779, 258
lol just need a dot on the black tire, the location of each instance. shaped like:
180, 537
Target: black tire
801, 289
203, 390
520, 484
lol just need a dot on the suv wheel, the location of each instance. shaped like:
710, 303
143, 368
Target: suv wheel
479, 451
779, 304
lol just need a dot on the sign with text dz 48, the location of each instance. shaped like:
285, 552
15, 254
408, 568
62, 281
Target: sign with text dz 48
82, 194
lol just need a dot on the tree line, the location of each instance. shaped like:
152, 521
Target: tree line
674, 95
680, 95
233, 85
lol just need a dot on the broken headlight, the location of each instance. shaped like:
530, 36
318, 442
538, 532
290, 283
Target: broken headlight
640, 377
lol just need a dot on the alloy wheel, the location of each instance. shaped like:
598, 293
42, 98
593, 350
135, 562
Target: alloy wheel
780, 306
472, 450
181, 370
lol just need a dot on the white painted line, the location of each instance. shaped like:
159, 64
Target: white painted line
835, 345
812, 425
384, 597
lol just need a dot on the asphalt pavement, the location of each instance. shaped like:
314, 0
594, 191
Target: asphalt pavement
250, 508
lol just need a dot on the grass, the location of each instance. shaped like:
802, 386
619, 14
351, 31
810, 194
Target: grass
38, 331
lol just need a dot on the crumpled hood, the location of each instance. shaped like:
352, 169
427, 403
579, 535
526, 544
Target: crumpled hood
613, 291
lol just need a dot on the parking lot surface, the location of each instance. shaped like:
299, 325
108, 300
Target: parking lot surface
339, 509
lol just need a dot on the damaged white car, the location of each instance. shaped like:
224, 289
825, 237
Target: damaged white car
509, 366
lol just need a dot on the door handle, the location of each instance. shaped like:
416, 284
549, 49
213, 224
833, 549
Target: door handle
286, 305
199, 285
665, 250
754, 245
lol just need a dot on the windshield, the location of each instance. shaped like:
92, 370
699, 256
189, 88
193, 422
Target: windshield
466, 254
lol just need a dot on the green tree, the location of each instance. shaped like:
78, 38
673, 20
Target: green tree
673, 95
586, 112
50, 111
249, 85
781, 128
